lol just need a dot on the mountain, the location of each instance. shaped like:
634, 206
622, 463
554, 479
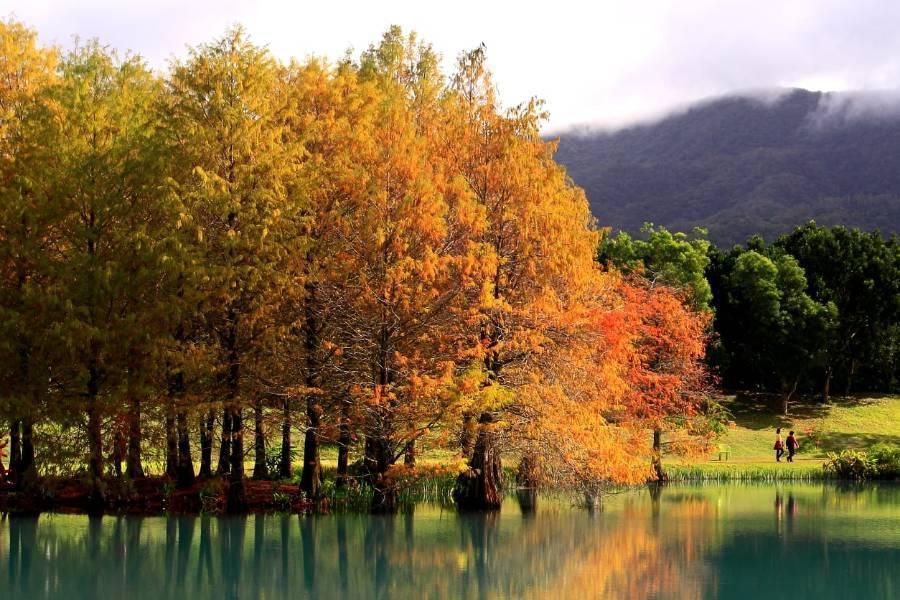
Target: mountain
741, 165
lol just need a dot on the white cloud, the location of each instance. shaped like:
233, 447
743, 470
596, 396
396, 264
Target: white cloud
607, 62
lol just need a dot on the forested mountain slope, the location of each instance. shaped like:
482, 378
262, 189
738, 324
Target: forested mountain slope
741, 165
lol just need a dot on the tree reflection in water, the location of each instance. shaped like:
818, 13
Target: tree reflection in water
674, 542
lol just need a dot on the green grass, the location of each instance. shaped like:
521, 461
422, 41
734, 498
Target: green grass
724, 471
430, 456
854, 423
843, 424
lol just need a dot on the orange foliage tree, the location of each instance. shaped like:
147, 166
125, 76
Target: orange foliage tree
411, 260
541, 240
667, 377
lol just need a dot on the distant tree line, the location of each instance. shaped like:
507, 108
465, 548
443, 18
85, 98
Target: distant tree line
815, 312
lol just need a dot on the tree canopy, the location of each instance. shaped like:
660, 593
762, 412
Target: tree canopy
370, 253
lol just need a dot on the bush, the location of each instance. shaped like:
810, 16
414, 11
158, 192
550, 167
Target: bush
273, 460
881, 462
212, 496
850, 464
887, 461
282, 501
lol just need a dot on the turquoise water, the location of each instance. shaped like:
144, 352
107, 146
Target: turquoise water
722, 541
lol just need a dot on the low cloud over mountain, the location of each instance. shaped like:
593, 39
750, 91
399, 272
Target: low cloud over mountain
750, 163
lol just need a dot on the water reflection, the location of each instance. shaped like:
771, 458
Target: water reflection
675, 542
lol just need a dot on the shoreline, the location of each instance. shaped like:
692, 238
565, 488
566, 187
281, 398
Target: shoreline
157, 496
152, 496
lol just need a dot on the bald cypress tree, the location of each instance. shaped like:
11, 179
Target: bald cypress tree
106, 263
226, 124
25, 71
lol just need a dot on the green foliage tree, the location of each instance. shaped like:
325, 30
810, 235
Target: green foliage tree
107, 257
25, 71
674, 259
859, 273
771, 330
227, 126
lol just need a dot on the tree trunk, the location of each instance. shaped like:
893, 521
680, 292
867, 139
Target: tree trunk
171, 441
26, 460
409, 456
207, 425
657, 455
467, 435
15, 425
593, 501
480, 488
96, 500
185, 472
225, 446
27, 467
527, 498
826, 389
789, 392
285, 468
343, 445
236, 501
120, 445
176, 425
370, 457
528, 475
133, 456
311, 479
260, 469
527, 481
15, 446
384, 493
237, 494
850, 373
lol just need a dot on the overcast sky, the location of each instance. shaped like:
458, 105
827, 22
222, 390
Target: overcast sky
595, 62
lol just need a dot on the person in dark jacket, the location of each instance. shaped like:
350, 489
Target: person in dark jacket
792, 446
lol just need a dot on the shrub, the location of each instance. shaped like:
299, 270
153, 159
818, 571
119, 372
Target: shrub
282, 501
849, 464
881, 462
212, 496
273, 460
886, 460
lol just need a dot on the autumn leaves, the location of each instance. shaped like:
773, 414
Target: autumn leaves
375, 246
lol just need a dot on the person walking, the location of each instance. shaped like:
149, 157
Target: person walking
792, 446
779, 445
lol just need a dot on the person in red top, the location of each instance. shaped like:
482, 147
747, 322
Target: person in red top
792, 446
779, 445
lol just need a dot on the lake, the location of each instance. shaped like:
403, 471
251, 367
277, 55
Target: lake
712, 541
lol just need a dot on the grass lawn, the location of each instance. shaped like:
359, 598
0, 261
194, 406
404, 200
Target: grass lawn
846, 423
428, 456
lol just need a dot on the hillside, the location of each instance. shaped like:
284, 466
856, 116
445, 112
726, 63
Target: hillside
850, 423
741, 165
